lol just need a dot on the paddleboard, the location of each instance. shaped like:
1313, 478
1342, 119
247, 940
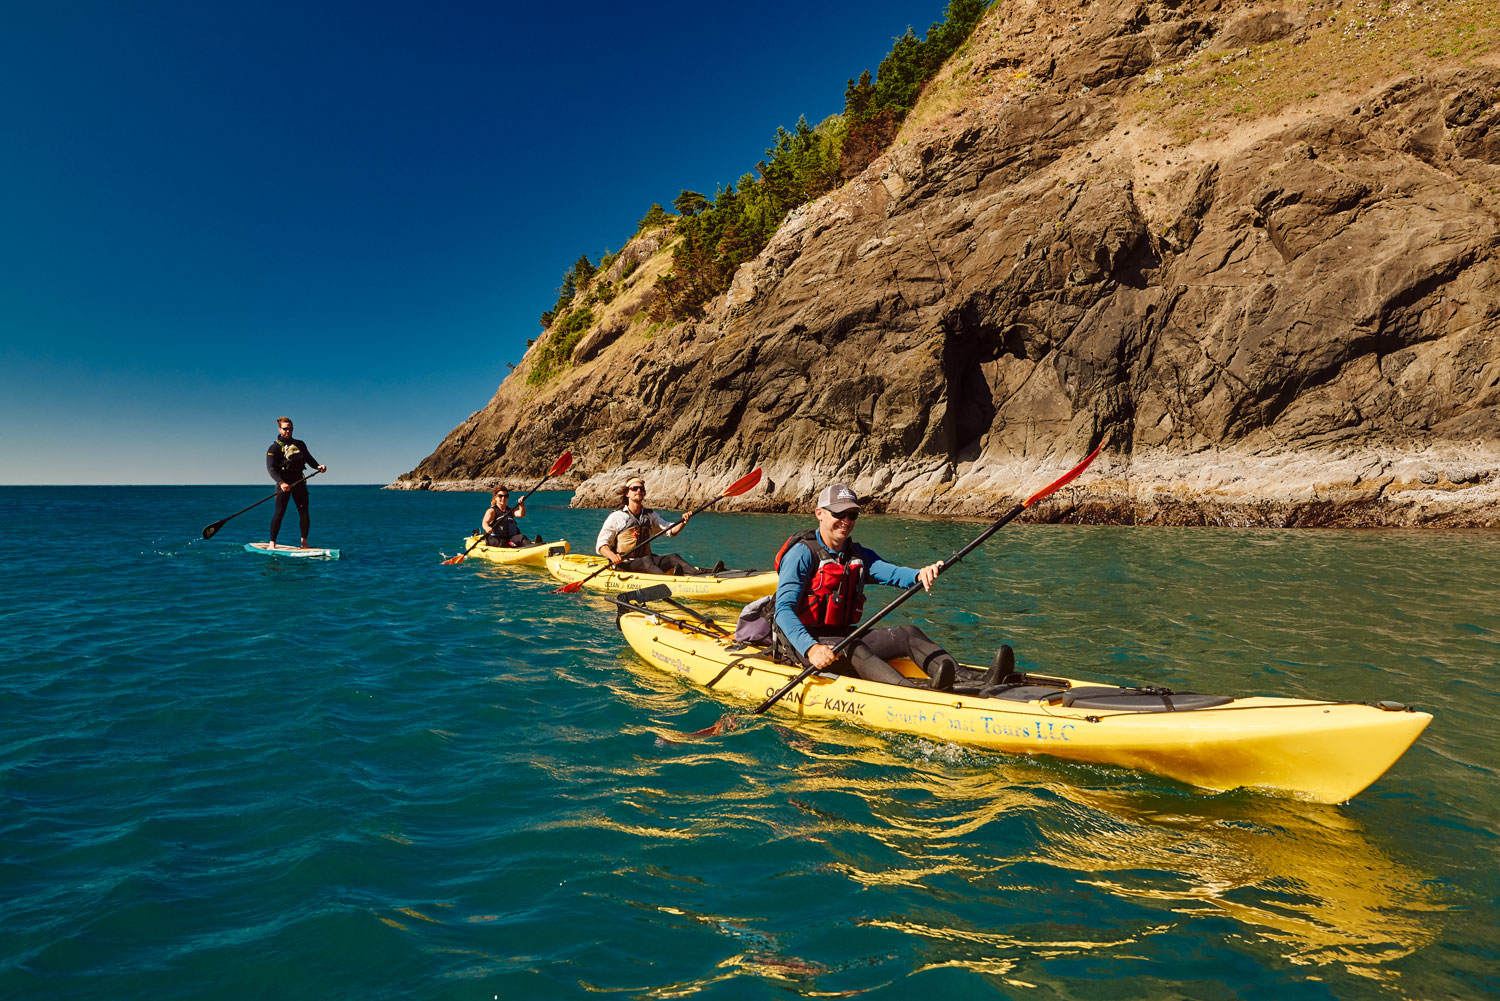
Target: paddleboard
311, 553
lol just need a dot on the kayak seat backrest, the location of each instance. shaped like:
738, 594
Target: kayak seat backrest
1135, 699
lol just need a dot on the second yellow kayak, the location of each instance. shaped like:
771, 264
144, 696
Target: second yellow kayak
726, 585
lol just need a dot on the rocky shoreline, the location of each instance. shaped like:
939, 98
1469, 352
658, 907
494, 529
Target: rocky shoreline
1429, 489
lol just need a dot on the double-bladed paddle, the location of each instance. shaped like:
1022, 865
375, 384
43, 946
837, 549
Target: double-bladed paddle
734, 489
848, 641
560, 466
212, 530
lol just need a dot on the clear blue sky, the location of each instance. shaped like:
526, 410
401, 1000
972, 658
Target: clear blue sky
212, 214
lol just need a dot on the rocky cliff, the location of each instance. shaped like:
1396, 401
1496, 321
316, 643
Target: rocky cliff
1131, 222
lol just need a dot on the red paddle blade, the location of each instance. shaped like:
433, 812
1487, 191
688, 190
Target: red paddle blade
1066, 478
568, 588
726, 723
561, 465
454, 559
742, 484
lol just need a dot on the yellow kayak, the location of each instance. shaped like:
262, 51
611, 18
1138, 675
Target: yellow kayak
525, 556
1322, 751
726, 585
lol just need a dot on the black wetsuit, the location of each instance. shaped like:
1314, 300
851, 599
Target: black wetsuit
285, 460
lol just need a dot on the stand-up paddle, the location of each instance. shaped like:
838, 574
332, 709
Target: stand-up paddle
848, 641
211, 530
560, 466
734, 489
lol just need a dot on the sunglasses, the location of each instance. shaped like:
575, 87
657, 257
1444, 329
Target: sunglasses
848, 516
634, 489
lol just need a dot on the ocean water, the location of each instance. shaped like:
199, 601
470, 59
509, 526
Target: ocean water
225, 775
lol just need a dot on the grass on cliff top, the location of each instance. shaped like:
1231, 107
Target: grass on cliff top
1349, 48
951, 90
552, 354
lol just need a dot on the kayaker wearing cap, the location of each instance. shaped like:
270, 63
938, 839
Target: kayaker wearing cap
820, 595
499, 525
633, 524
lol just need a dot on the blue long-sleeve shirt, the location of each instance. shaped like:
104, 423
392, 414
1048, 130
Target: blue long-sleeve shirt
797, 569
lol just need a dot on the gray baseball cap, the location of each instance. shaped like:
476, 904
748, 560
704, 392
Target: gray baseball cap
838, 499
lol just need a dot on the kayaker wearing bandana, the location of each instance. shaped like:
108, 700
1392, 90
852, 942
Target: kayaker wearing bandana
820, 595
285, 460
633, 524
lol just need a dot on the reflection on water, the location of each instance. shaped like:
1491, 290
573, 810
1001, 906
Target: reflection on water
1302, 879
759, 956
979, 832
1298, 875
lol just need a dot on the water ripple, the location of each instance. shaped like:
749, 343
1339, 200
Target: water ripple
229, 776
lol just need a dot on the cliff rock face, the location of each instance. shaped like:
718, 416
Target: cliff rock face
1294, 323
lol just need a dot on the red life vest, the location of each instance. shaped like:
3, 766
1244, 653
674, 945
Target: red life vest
835, 594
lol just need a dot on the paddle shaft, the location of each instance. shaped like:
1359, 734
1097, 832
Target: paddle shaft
212, 530
848, 641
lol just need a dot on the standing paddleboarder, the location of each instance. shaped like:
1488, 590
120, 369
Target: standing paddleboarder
285, 460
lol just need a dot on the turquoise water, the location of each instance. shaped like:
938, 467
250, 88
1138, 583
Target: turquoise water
231, 776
